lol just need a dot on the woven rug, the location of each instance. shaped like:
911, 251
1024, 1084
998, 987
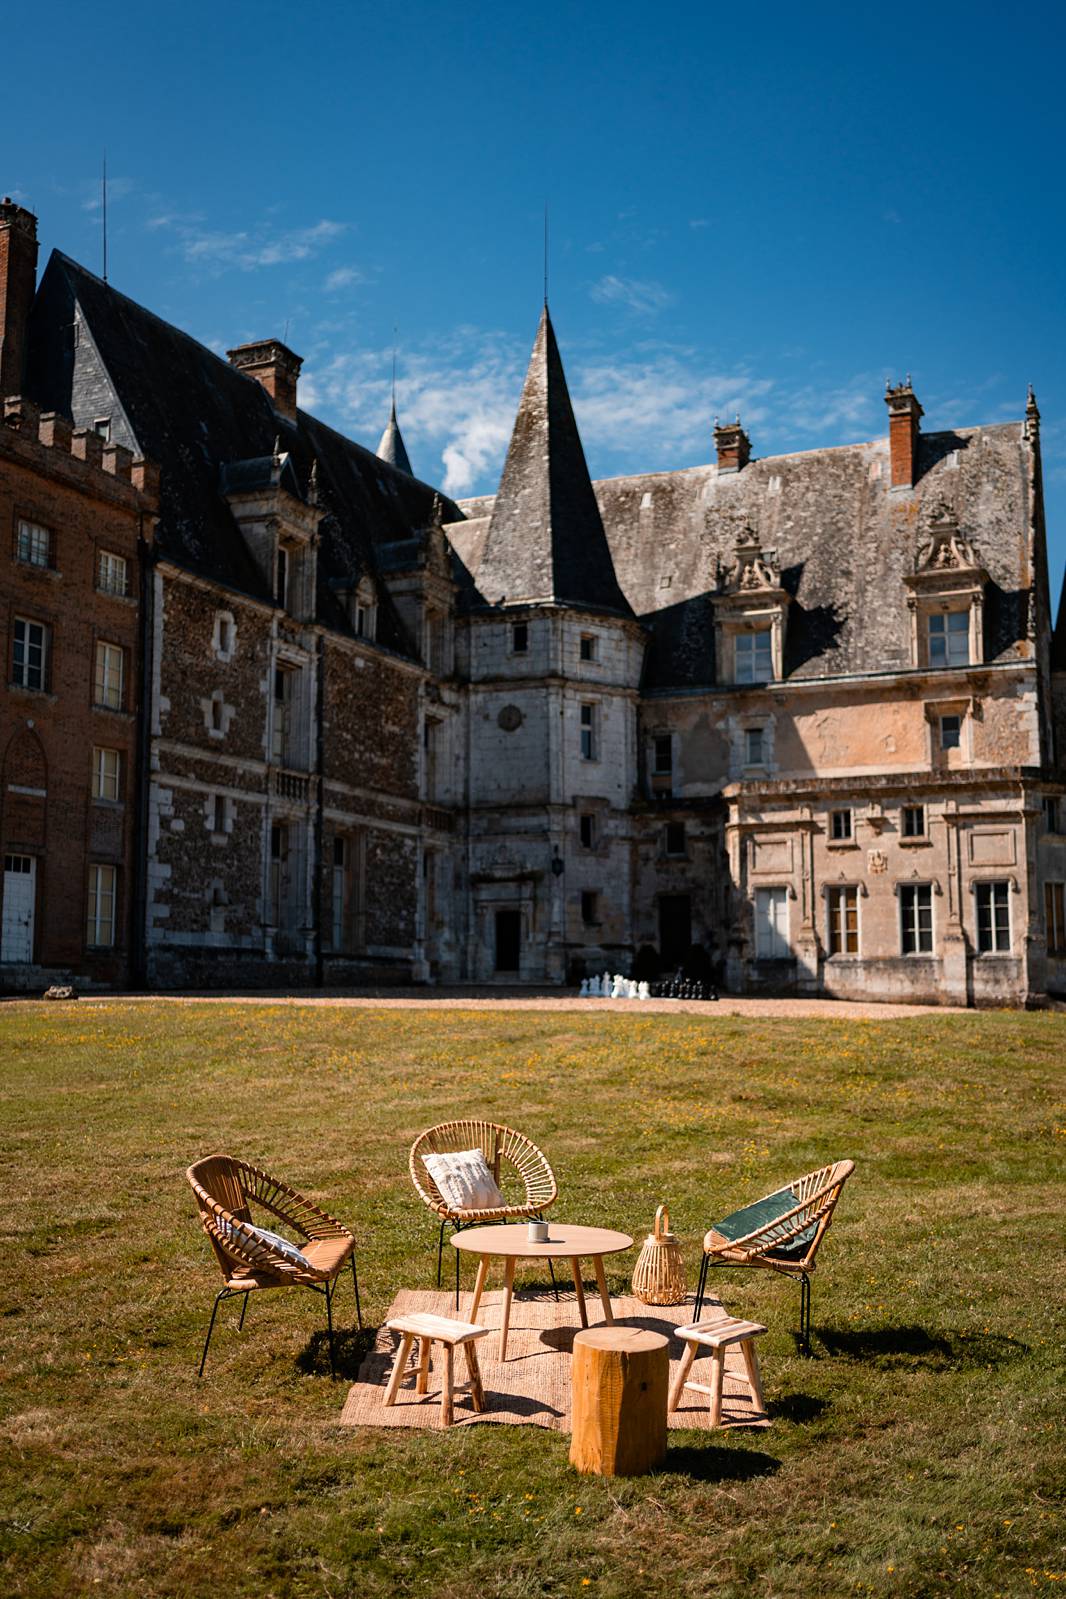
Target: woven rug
532, 1388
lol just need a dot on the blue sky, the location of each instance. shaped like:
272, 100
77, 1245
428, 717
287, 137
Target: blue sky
768, 209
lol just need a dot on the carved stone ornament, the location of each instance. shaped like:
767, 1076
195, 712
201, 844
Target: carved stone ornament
876, 862
510, 719
751, 570
948, 549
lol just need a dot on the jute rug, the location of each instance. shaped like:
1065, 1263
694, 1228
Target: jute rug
533, 1387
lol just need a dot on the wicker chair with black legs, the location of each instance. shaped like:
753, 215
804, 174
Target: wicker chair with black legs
781, 1232
252, 1258
502, 1148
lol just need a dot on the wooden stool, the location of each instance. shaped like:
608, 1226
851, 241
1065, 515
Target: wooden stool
429, 1330
717, 1336
620, 1377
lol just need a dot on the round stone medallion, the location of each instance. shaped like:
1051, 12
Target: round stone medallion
510, 718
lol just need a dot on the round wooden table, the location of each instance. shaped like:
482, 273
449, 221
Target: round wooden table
511, 1244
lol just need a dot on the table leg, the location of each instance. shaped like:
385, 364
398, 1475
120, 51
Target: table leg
601, 1278
479, 1286
580, 1289
508, 1285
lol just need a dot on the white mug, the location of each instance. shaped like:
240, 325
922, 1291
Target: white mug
538, 1232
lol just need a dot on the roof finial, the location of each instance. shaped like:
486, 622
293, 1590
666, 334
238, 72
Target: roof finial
312, 485
1032, 414
277, 449
394, 369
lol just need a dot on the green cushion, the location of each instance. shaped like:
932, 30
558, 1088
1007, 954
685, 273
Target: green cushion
764, 1211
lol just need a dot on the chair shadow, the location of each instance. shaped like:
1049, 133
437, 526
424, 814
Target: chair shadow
890, 1345
351, 1346
796, 1408
715, 1462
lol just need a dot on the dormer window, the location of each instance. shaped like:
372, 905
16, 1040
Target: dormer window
753, 660
946, 601
751, 610
365, 610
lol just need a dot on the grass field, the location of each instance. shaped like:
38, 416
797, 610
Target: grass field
920, 1453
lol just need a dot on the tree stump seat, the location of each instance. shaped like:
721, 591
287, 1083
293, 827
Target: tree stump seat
620, 1377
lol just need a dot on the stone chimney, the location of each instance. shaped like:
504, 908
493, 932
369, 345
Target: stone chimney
273, 365
18, 279
904, 421
733, 446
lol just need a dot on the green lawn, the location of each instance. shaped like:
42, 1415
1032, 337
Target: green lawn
920, 1453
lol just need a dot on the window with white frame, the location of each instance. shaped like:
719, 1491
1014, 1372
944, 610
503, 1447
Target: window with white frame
771, 924
588, 733
1055, 917
107, 774
993, 918
840, 826
949, 638
916, 918
753, 660
112, 573
33, 543
100, 921
225, 635
109, 684
284, 682
842, 906
29, 660
216, 815
754, 746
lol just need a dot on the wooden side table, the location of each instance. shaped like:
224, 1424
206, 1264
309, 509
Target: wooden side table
619, 1383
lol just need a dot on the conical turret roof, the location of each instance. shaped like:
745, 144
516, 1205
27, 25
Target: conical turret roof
545, 541
391, 447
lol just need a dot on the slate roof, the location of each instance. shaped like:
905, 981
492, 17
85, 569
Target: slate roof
94, 352
843, 540
391, 447
545, 541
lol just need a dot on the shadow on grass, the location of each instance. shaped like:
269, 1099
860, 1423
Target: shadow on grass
352, 1345
797, 1408
888, 1346
717, 1463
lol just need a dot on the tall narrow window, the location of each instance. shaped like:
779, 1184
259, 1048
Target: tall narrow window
279, 858
110, 681
916, 918
843, 920
30, 654
1055, 917
33, 544
588, 732
754, 746
950, 732
771, 924
840, 825
112, 573
340, 893
914, 821
100, 923
1051, 813
519, 638
993, 918
107, 771
590, 907
281, 578
282, 708
949, 638
589, 643
674, 840
753, 660
587, 826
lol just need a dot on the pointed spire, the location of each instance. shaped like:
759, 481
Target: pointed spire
545, 540
392, 448
1032, 415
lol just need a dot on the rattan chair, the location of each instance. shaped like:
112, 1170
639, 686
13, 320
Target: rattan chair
226, 1189
781, 1232
499, 1145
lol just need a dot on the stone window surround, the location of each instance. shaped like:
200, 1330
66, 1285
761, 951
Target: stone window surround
861, 893
749, 723
967, 709
224, 619
841, 841
1013, 887
225, 715
228, 809
760, 617
935, 892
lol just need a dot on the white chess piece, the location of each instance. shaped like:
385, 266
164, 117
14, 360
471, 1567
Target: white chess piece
644, 991
584, 993
605, 987
618, 986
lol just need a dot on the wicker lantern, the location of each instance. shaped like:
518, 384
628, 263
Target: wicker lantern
659, 1276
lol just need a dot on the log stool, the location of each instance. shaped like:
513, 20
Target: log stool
429, 1330
620, 1378
717, 1336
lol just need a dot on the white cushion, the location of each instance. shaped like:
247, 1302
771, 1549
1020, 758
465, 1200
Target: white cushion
464, 1180
284, 1246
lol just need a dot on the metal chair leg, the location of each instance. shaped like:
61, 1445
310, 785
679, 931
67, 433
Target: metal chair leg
355, 1284
805, 1313
222, 1294
440, 1251
555, 1285
701, 1287
457, 1279
244, 1312
329, 1325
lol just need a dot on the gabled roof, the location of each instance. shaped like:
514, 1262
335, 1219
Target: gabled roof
392, 448
184, 407
545, 540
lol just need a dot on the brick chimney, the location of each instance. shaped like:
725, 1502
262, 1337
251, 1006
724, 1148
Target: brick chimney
273, 365
904, 420
733, 446
18, 279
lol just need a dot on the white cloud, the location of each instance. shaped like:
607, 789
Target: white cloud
117, 189
249, 248
342, 278
644, 297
